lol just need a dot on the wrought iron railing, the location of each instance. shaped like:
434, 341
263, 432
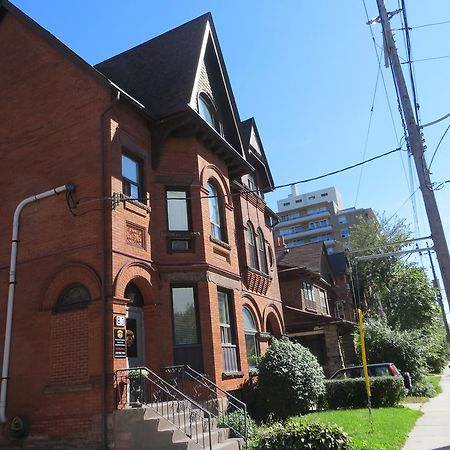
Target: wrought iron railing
220, 403
140, 386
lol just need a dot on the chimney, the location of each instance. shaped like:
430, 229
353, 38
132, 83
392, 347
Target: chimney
294, 191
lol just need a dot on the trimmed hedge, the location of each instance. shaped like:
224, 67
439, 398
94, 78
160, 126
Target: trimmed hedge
297, 435
351, 393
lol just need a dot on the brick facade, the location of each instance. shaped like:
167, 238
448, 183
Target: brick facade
62, 122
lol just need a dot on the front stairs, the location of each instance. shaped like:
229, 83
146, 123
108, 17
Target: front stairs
177, 410
145, 428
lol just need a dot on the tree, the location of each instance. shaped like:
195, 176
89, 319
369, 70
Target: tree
392, 289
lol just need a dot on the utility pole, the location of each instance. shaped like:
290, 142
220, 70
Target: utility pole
416, 146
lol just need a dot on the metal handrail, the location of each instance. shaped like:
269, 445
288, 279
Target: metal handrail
213, 387
166, 388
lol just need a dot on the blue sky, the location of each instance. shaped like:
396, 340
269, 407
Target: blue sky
307, 72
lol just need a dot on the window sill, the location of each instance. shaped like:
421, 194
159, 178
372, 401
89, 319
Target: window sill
312, 310
230, 375
221, 243
180, 234
135, 206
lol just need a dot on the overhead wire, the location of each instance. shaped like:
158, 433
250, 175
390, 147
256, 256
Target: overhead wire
366, 143
72, 204
437, 147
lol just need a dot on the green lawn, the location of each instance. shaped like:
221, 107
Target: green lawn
390, 425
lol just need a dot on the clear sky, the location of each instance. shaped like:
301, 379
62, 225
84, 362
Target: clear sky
307, 72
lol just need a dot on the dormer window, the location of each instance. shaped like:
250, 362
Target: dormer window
208, 112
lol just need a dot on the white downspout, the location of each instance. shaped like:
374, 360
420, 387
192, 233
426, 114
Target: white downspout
12, 284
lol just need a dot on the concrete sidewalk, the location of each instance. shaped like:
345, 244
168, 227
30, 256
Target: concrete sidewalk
432, 430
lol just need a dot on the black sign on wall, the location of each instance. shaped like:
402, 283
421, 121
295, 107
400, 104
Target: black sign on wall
120, 350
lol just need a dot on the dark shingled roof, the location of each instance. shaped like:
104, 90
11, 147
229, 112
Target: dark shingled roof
308, 256
160, 73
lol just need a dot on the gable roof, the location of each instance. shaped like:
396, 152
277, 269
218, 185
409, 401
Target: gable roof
249, 132
161, 72
307, 256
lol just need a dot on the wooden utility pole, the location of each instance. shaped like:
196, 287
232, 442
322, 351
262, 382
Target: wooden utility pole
416, 146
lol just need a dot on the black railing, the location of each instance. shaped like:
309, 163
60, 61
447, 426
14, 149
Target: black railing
140, 386
220, 403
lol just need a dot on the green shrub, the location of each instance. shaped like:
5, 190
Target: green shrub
297, 435
351, 393
235, 421
290, 380
436, 347
422, 388
403, 348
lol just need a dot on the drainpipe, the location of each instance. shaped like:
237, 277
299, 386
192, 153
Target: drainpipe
12, 283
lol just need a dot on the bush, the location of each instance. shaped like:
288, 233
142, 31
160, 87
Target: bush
422, 388
297, 435
436, 347
403, 348
351, 393
290, 380
235, 421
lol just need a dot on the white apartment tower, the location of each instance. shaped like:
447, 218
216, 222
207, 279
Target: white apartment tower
317, 216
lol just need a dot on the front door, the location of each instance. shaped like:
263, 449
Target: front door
135, 337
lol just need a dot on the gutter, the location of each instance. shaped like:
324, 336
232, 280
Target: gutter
12, 284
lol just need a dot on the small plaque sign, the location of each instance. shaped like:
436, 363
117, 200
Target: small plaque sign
120, 350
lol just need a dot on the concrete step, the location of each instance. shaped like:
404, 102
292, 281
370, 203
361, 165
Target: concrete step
230, 444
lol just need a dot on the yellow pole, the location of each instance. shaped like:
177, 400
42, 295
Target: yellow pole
363, 355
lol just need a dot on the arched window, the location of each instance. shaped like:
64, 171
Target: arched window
262, 251
251, 246
73, 296
207, 112
133, 294
251, 342
216, 213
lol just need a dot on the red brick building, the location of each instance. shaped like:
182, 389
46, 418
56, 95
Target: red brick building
166, 238
317, 303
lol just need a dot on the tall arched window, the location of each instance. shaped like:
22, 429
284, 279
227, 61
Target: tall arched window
251, 342
251, 246
216, 213
262, 251
208, 112
133, 294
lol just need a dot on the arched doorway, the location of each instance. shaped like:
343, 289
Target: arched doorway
135, 326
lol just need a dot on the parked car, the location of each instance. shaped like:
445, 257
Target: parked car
375, 370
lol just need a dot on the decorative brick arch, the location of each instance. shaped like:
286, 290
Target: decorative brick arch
273, 322
139, 273
74, 272
212, 172
251, 304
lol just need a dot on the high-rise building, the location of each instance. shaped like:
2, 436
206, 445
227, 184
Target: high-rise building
318, 216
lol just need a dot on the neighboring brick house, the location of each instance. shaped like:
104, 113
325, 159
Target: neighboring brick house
317, 303
152, 242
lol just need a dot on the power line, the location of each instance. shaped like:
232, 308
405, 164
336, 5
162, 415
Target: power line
427, 59
366, 143
73, 204
429, 25
437, 147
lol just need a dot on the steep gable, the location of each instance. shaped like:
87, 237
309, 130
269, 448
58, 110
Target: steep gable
168, 73
255, 152
161, 72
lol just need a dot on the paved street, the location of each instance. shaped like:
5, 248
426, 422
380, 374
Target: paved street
432, 430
